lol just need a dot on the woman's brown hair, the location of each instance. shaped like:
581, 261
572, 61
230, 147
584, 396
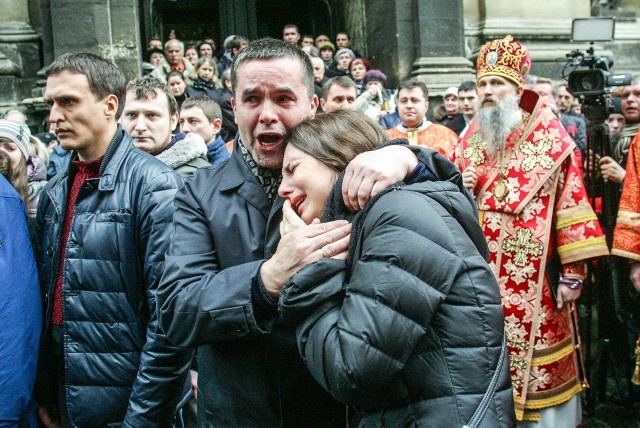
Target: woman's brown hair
17, 177
336, 138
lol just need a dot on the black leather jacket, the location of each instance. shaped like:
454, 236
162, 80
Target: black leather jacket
117, 362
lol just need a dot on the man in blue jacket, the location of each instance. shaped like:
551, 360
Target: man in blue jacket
104, 229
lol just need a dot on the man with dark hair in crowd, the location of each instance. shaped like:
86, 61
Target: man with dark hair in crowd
155, 42
235, 45
307, 40
205, 49
564, 102
413, 102
174, 60
468, 100
575, 126
291, 34
339, 93
150, 115
229, 126
343, 40
201, 115
104, 229
227, 263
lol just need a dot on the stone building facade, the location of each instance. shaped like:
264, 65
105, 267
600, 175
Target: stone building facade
436, 40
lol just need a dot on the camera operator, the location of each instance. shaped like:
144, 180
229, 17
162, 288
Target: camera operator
626, 242
613, 168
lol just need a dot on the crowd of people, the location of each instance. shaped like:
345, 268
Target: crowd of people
268, 235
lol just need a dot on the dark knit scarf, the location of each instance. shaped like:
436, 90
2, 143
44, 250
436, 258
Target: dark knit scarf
269, 178
202, 85
624, 139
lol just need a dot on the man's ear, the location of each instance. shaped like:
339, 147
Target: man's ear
174, 120
216, 126
233, 107
322, 102
111, 105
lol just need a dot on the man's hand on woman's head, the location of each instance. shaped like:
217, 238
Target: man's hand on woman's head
371, 172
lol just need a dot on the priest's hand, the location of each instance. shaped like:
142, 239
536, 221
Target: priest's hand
566, 295
470, 178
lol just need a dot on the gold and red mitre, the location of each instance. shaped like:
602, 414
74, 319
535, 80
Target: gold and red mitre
505, 58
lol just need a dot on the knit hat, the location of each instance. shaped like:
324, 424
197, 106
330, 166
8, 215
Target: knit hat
326, 45
341, 51
374, 74
18, 133
505, 58
451, 91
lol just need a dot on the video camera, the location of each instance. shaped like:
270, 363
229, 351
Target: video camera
588, 75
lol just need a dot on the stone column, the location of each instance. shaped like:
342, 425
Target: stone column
109, 28
441, 60
19, 52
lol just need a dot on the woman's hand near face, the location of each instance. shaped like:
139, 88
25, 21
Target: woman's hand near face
290, 220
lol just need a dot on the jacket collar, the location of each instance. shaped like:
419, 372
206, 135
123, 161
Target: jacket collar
120, 145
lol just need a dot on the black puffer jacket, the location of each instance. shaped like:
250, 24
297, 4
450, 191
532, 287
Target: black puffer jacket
410, 332
117, 361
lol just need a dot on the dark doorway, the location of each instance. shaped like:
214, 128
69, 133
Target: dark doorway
312, 17
193, 20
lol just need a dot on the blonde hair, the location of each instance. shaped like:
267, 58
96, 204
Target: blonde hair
217, 83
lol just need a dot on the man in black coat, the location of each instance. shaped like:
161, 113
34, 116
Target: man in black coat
226, 264
104, 229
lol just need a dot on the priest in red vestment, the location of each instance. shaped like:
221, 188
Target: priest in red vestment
517, 160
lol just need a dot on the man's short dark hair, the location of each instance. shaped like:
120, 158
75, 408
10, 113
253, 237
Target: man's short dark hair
104, 77
147, 87
209, 107
344, 81
175, 73
469, 85
291, 26
205, 42
414, 83
265, 49
345, 33
237, 41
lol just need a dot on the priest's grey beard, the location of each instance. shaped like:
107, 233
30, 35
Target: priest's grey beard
495, 123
